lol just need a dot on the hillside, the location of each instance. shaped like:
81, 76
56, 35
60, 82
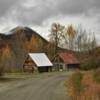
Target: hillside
15, 46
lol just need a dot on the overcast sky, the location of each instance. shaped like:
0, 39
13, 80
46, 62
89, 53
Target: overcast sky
40, 14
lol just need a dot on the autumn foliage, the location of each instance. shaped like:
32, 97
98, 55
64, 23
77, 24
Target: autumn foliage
15, 47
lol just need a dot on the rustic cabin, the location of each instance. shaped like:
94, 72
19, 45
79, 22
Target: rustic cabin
65, 61
37, 62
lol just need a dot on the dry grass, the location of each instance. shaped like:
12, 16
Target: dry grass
90, 88
75, 86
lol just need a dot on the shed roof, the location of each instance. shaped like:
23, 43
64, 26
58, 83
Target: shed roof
69, 58
40, 59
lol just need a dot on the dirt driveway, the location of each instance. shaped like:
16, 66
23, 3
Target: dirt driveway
42, 87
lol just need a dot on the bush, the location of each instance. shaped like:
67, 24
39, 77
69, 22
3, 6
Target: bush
76, 80
96, 75
75, 85
83, 87
90, 63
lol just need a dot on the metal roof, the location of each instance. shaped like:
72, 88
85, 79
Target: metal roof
40, 59
69, 58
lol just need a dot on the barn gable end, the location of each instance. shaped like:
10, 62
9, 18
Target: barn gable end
37, 62
65, 61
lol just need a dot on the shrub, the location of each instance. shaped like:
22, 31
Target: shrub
77, 78
83, 87
97, 75
90, 63
75, 85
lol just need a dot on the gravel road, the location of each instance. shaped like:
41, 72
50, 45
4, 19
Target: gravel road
42, 87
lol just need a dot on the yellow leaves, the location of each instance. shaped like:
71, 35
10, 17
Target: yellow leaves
56, 27
35, 44
32, 45
7, 59
6, 52
71, 31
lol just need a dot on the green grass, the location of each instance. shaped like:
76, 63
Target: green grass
17, 75
8, 77
27, 75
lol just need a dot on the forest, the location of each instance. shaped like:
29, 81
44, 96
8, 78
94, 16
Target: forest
23, 40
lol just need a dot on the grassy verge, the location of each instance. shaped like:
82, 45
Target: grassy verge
7, 77
18, 75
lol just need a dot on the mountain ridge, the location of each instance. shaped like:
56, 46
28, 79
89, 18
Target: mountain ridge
21, 28
15, 46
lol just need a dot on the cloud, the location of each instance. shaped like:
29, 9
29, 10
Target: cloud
37, 12
5, 5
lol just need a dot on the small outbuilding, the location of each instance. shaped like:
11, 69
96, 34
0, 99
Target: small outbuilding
65, 61
37, 62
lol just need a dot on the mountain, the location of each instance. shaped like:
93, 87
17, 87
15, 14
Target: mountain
15, 46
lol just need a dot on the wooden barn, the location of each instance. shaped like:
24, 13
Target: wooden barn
37, 62
65, 61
